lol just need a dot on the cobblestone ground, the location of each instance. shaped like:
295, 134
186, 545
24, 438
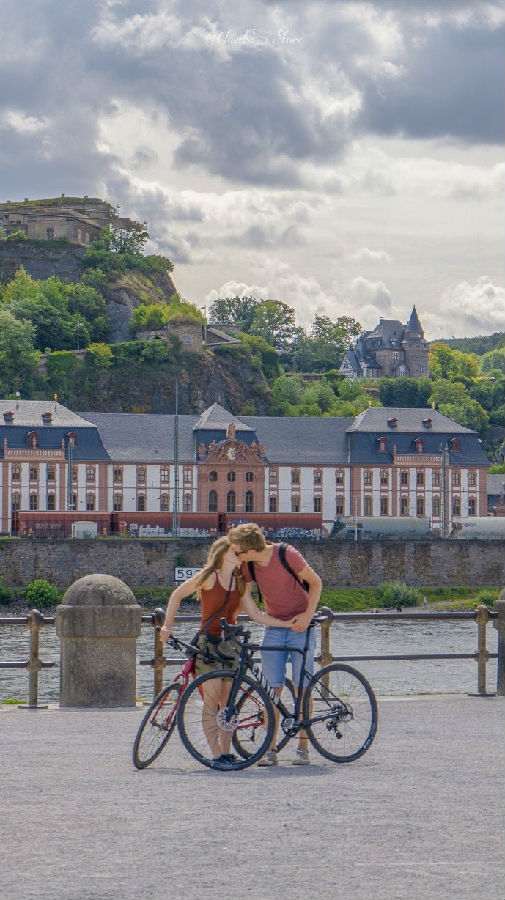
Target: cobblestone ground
419, 817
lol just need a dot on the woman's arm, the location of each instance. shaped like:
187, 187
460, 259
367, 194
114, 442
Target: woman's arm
183, 590
248, 606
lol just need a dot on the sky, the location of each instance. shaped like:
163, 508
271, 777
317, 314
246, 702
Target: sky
345, 158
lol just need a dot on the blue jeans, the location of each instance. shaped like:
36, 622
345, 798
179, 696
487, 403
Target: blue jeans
274, 661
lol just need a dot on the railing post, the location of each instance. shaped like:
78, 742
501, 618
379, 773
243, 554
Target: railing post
482, 618
326, 655
499, 624
159, 661
35, 619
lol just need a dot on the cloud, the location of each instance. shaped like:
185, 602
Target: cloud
470, 308
364, 254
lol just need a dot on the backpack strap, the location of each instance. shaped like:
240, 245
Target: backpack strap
282, 556
250, 566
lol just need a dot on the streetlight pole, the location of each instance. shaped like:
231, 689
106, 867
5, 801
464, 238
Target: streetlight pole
175, 524
78, 327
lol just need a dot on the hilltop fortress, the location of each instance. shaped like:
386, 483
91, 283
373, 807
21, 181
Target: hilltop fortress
76, 219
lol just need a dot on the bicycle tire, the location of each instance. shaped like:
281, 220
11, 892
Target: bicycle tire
198, 730
157, 726
345, 708
244, 745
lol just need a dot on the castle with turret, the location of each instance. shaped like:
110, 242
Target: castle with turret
391, 350
78, 219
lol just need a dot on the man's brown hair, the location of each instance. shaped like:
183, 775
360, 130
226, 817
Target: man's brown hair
248, 536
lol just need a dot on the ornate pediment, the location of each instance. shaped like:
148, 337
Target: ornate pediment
231, 450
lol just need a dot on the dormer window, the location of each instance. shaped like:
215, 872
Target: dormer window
33, 439
427, 423
47, 418
455, 445
381, 444
8, 418
393, 422
418, 444
72, 439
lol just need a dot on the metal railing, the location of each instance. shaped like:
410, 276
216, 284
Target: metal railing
35, 620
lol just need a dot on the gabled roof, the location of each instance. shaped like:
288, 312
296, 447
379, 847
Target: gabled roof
144, 437
409, 419
216, 418
28, 413
352, 360
308, 439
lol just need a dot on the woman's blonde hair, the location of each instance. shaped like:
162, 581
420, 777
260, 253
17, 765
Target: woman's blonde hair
214, 561
248, 536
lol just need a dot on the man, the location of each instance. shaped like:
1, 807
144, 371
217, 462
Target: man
285, 598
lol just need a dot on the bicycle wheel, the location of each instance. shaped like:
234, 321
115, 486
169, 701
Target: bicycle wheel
343, 709
246, 739
157, 726
207, 728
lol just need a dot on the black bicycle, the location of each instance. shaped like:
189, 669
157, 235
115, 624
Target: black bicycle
337, 709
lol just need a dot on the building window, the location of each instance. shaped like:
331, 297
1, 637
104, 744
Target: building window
339, 476
249, 501
339, 506
34, 501
33, 440
74, 473
187, 503
16, 473
187, 474
436, 479
16, 501
73, 504
384, 506
367, 476
368, 506
117, 502
51, 473
418, 444
384, 476
295, 476
34, 473
230, 501
141, 474
295, 504
456, 479
141, 503
213, 476
472, 479
420, 506
381, 445
212, 501
472, 506
272, 474
164, 475
249, 476
90, 502
317, 476
273, 504
435, 507
90, 473
420, 478
404, 477
118, 475
404, 506
317, 504
230, 476
455, 445
164, 503
456, 506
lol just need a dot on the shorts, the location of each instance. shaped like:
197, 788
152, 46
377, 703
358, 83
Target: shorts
210, 661
274, 661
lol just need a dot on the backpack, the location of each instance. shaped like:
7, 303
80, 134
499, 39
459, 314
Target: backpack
282, 556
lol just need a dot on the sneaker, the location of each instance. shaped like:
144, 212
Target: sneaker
269, 759
226, 759
301, 758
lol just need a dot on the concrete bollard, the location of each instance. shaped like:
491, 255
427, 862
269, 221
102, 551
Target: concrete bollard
98, 622
499, 624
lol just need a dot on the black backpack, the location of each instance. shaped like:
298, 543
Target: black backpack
282, 556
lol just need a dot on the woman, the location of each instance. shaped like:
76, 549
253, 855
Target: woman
221, 590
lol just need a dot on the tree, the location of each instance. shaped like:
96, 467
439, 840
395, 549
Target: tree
237, 311
17, 355
130, 238
452, 400
447, 363
413, 392
275, 322
495, 359
325, 346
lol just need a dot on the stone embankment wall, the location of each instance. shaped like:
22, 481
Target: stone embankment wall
150, 563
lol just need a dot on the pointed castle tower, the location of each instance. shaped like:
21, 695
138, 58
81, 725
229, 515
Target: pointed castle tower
415, 347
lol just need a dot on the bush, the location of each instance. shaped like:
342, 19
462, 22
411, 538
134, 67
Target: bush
396, 593
41, 595
487, 596
5, 593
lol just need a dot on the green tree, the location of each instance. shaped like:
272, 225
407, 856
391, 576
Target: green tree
407, 392
130, 238
495, 359
17, 354
275, 322
237, 311
447, 363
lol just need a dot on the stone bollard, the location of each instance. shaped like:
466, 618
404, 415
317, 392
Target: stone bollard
98, 622
499, 624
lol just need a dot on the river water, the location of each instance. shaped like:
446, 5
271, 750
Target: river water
352, 638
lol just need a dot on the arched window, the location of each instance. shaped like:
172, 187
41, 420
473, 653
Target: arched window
187, 503
230, 476
90, 473
141, 503
230, 501
418, 444
249, 501
90, 502
164, 503
456, 506
472, 506
455, 445
16, 501
213, 476
212, 501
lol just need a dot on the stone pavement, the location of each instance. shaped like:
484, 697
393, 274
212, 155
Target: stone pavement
419, 817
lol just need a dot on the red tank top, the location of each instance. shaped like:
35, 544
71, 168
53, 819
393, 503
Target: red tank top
211, 601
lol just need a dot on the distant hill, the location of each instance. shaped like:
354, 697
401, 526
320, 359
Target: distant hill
478, 345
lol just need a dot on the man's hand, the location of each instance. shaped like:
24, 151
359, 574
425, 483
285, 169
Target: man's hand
165, 632
301, 622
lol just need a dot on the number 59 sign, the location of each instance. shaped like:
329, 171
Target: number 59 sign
182, 573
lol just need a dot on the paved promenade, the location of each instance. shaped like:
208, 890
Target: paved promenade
419, 817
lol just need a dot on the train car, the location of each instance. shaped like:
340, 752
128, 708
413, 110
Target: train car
155, 524
388, 527
284, 526
481, 528
57, 524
